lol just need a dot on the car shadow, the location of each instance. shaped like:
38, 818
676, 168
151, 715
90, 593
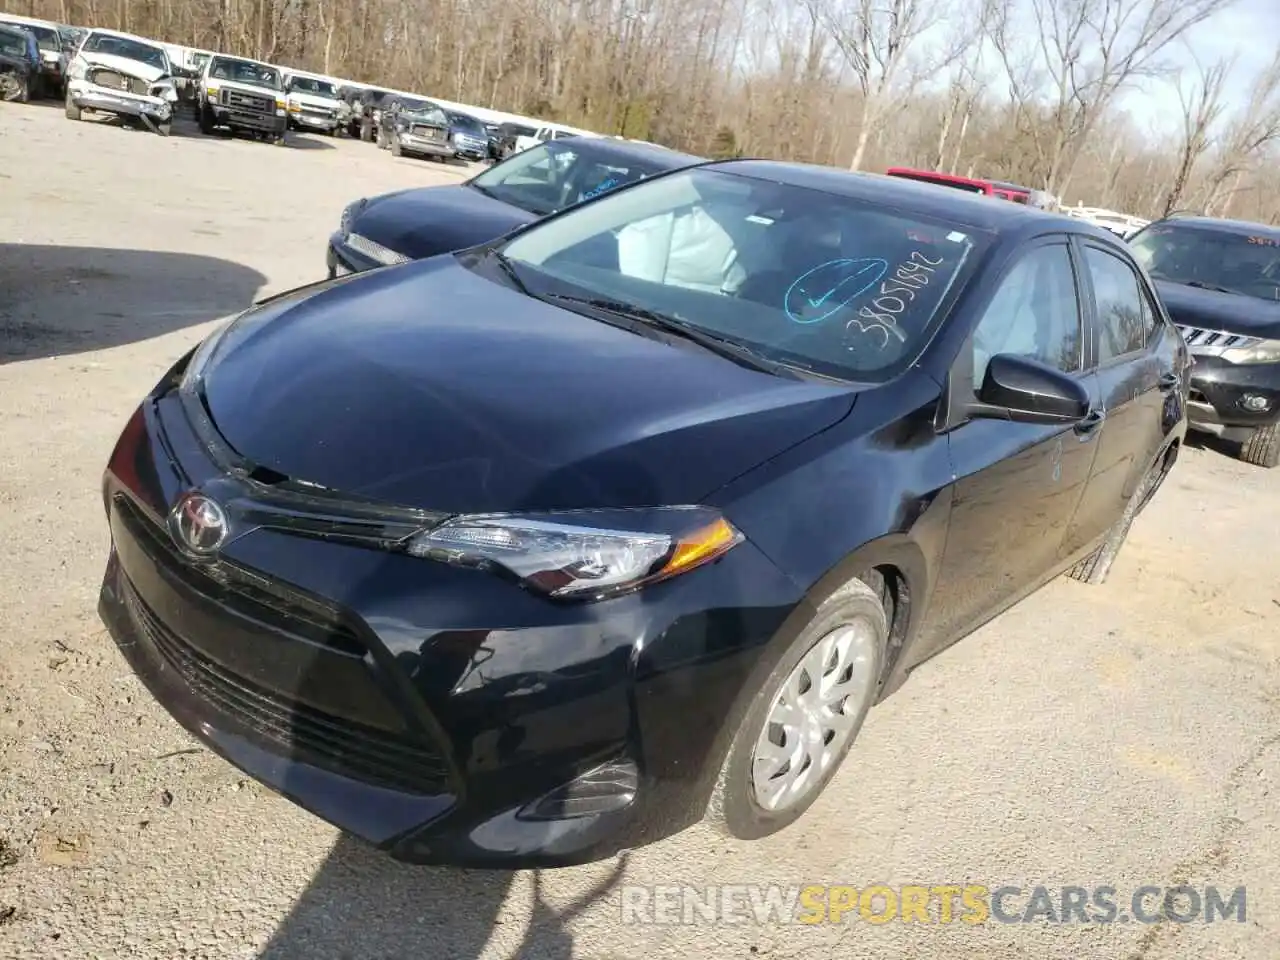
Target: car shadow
1207, 441
58, 300
308, 141
363, 904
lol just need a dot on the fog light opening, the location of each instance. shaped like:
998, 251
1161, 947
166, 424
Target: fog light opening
607, 788
1255, 402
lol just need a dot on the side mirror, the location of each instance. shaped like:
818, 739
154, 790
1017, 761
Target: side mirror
1023, 389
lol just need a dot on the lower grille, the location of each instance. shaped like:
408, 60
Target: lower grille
115, 80
307, 735
246, 101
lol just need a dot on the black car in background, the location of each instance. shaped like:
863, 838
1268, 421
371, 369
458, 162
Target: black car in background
49, 79
556, 545
504, 138
19, 63
468, 135
366, 111
1220, 281
413, 127
422, 222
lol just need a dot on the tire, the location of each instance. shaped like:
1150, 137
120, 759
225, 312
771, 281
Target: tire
735, 808
165, 128
1262, 449
366, 131
396, 149
73, 111
279, 140
206, 120
1095, 568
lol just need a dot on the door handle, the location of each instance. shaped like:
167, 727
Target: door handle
1169, 382
1087, 428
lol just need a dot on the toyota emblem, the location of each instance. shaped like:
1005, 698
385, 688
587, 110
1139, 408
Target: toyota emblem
198, 524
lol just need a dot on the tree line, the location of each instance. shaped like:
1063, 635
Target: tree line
1030, 91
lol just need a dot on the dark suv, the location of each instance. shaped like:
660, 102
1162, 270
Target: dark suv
1220, 281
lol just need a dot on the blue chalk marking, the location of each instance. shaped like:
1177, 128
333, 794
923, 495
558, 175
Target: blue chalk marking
838, 277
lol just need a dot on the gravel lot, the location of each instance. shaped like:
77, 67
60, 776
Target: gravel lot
1123, 735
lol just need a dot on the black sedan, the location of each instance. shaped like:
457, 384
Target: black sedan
554, 546
424, 221
1220, 280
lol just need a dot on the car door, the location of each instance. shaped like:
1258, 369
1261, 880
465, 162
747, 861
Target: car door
1017, 485
1131, 383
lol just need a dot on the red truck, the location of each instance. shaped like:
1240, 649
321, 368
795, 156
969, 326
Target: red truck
992, 188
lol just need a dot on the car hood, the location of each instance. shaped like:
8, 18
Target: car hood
428, 385
135, 68
1229, 312
216, 83
315, 100
428, 220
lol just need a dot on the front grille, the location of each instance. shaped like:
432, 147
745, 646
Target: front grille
251, 102
308, 735
1218, 339
322, 112
374, 251
244, 592
115, 80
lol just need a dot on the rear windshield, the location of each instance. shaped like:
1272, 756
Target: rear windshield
827, 284
1230, 262
128, 48
470, 124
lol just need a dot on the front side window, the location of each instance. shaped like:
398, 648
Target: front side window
13, 44
1221, 260
833, 285
1035, 313
1122, 317
127, 48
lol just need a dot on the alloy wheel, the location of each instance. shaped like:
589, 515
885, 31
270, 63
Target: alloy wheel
814, 714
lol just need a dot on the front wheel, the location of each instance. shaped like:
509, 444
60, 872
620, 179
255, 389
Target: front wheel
73, 111
13, 89
396, 149
164, 128
1262, 449
805, 716
206, 119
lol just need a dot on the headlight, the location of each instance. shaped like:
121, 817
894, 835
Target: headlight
211, 91
583, 554
1263, 351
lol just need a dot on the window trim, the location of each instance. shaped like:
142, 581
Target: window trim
1089, 243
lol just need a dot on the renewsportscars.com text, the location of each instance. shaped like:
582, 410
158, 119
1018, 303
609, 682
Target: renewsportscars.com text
967, 903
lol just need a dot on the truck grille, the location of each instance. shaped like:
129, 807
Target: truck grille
115, 80
1201, 339
323, 112
250, 102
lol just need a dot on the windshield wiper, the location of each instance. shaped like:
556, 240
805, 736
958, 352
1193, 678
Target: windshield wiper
508, 268
1201, 285
723, 346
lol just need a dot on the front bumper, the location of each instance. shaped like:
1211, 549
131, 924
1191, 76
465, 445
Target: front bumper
248, 120
313, 121
420, 706
341, 259
88, 96
425, 147
1218, 393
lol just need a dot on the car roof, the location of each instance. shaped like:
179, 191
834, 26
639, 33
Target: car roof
912, 196
256, 63
28, 21
606, 147
103, 32
1242, 228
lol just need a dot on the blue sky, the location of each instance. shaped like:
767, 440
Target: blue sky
1234, 31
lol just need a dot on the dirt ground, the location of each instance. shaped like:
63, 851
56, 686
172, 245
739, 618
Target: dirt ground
1122, 735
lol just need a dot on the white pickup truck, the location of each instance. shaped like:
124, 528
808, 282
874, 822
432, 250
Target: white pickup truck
242, 95
549, 132
122, 74
315, 103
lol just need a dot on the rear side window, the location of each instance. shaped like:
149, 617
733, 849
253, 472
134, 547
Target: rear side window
1034, 313
1123, 317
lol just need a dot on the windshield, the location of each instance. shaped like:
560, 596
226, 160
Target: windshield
416, 106
47, 38
320, 88
245, 71
1217, 259
128, 48
554, 175
835, 286
13, 43
467, 123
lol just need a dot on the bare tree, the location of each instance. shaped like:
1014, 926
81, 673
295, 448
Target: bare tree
1201, 109
1248, 139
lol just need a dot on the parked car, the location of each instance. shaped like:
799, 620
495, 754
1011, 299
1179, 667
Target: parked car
53, 56
366, 113
506, 136
552, 547
542, 135
468, 136
314, 103
413, 127
1220, 281
990, 188
422, 222
124, 75
19, 63
243, 95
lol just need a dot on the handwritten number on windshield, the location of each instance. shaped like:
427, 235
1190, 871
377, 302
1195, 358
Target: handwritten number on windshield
818, 293
893, 297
